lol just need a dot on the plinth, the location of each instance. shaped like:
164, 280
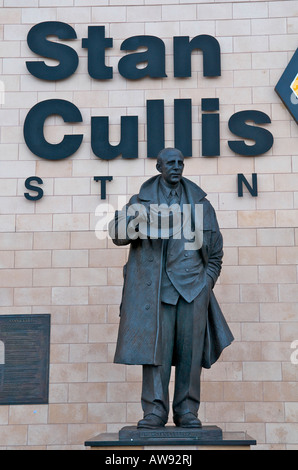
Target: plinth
171, 437
169, 433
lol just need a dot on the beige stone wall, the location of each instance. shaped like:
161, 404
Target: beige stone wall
52, 262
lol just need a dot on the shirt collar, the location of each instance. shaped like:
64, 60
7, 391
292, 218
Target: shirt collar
166, 188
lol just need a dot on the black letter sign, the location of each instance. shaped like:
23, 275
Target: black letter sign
97, 43
183, 48
38, 43
34, 135
154, 57
262, 137
36, 189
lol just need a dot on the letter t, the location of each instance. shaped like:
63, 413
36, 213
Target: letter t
97, 43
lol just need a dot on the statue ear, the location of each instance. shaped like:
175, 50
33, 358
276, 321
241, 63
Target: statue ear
158, 167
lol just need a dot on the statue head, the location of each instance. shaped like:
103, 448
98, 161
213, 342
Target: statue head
170, 163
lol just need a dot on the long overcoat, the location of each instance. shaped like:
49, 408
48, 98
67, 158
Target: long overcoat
140, 332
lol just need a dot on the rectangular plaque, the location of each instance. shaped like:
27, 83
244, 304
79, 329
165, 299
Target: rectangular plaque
24, 359
168, 433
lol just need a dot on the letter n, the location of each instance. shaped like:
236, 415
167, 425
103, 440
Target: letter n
252, 189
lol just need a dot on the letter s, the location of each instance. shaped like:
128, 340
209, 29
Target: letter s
262, 137
29, 186
38, 43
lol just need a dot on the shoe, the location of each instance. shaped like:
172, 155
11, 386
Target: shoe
151, 421
188, 420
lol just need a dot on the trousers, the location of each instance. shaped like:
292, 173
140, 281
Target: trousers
183, 332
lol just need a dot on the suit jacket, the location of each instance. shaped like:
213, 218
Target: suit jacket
139, 335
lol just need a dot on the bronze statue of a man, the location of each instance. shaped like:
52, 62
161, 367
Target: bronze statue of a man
169, 314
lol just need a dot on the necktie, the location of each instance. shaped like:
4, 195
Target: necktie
173, 197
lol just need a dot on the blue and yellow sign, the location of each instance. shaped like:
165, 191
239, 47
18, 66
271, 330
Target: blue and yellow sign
287, 87
294, 86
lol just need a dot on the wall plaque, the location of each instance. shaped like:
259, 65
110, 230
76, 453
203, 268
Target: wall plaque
24, 359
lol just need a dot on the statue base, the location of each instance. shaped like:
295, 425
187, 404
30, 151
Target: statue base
170, 433
171, 437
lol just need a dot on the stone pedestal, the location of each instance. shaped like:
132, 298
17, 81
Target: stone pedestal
169, 434
171, 438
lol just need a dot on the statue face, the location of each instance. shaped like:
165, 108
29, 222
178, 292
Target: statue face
170, 165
